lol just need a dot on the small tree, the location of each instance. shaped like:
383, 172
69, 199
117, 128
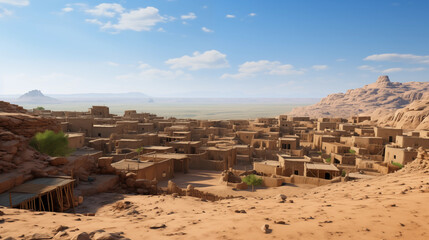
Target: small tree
252, 180
328, 160
139, 150
40, 108
51, 143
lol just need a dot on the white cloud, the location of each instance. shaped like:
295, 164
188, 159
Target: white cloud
148, 72
161, 29
106, 10
396, 57
16, 2
251, 69
206, 30
142, 19
5, 12
367, 68
252, 14
230, 16
143, 65
113, 64
319, 67
94, 21
67, 9
189, 16
208, 60
389, 70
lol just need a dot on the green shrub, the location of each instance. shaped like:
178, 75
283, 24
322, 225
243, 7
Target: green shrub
51, 143
397, 164
343, 173
139, 150
40, 108
328, 160
352, 151
252, 180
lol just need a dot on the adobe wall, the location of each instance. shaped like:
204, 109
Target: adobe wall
192, 192
295, 179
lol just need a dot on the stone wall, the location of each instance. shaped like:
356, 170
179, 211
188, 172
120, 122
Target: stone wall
172, 188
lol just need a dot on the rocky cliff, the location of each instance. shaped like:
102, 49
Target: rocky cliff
413, 116
11, 108
383, 95
16, 129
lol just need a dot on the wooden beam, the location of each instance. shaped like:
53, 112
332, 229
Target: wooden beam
10, 200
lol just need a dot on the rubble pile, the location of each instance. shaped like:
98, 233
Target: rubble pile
421, 163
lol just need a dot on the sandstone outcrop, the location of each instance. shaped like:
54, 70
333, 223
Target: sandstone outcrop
383, 94
413, 116
7, 107
18, 161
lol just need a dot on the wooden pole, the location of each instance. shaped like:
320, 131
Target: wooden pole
71, 196
10, 200
49, 205
52, 202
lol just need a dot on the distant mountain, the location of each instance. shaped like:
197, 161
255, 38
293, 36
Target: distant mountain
383, 96
36, 97
102, 97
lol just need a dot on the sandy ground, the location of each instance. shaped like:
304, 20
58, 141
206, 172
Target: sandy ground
209, 181
388, 207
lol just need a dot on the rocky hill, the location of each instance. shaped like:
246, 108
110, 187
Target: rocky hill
35, 96
382, 95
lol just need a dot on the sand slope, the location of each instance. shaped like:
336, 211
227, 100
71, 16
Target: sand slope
387, 207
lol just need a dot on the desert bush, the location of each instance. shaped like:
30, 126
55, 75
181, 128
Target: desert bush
51, 143
397, 164
252, 180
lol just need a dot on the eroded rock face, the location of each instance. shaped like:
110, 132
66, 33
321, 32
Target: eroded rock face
383, 94
413, 116
11, 108
16, 130
26, 125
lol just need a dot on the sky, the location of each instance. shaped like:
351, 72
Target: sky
210, 48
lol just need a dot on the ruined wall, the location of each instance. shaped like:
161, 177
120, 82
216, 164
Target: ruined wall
192, 192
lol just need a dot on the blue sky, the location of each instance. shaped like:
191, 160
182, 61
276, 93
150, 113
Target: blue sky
219, 48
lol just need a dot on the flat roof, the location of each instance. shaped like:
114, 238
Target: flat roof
32, 189
129, 140
166, 155
216, 148
321, 166
70, 135
270, 162
128, 164
157, 147
287, 139
84, 151
186, 142
296, 159
105, 125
